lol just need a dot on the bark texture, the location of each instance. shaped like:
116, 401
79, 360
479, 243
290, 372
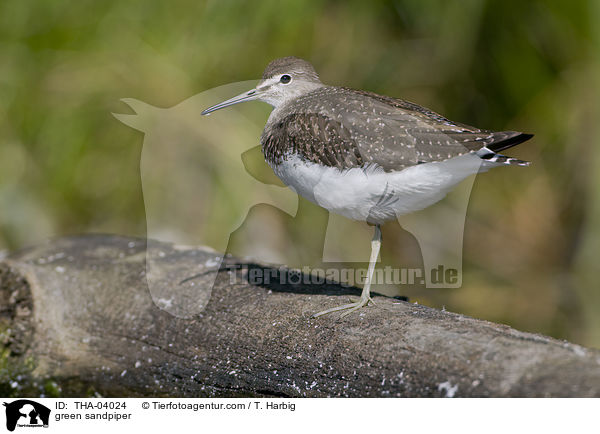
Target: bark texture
80, 311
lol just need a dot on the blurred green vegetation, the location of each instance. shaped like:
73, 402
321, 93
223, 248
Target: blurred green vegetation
532, 237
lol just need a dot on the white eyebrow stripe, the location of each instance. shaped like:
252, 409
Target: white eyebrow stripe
268, 82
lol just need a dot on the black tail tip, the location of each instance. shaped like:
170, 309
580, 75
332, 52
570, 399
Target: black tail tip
508, 139
526, 136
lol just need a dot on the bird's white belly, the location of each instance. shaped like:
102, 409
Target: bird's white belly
371, 194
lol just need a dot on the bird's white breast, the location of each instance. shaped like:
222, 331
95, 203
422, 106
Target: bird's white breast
371, 194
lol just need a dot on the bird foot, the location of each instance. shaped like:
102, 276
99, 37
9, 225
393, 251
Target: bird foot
371, 301
349, 308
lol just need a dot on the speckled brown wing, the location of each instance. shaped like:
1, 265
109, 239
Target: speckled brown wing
315, 137
346, 128
434, 135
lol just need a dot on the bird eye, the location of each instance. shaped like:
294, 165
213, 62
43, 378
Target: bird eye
285, 78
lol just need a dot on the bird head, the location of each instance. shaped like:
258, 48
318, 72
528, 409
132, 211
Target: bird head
284, 79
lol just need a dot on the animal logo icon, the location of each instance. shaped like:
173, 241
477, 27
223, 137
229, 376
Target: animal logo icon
26, 413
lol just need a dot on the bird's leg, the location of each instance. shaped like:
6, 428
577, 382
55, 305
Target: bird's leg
365, 297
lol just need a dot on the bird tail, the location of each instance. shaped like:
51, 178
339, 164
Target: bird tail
500, 159
507, 139
504, 140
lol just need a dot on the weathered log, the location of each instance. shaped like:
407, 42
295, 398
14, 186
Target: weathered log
79, 311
